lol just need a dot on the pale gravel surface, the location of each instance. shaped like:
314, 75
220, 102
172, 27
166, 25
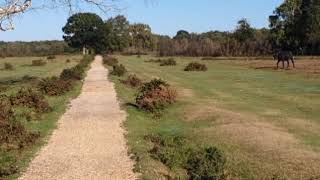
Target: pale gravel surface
89, 142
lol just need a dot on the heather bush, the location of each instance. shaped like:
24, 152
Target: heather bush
15, 136
54, 86
132, 81
77, 72
8, 164
5, 109
206, 163
194, 66
39, 62
8, 66
118, 70
175, 151
27, 97
155, 95
172, 151
168, 62
109, 60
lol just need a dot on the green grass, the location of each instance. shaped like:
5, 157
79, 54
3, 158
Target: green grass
227, 107
47, 123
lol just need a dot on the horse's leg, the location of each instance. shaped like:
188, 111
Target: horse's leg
278, 64
282, 64
288, 64
292, 60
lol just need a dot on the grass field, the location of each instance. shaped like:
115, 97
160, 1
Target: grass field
14, 79
266, 121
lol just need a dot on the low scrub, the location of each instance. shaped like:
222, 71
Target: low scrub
27, 97
175, 151
110, 61
118, 70
38, 62
6, 111
3, 88
206, 163
8, 66
155, 60
15, 136
168, 62
68, 61
8, 164
51, 57
194, 66
170, 150
77, 72
155, 96
54, 86
209, 58
132, 81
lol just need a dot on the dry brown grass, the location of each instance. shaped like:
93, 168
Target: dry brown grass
262, 143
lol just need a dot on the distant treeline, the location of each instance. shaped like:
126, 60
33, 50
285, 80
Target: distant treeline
242, 42
36, 48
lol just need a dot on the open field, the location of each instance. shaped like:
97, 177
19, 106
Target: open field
267, 122
25, 75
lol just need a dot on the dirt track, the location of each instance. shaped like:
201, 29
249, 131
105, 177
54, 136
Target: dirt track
89, 142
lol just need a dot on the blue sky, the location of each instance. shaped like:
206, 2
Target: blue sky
164, 17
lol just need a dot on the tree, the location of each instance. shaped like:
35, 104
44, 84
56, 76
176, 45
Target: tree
85, 30
295, 25
10, 8
141, 36
182, 34
117, 33
244, 31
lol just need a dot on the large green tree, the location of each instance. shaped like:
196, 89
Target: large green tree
85, 30
141, 36
295, 25
117, 33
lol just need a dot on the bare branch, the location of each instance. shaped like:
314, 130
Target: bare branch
10, 8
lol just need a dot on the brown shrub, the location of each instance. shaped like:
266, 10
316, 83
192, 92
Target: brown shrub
110, 61
155, 95
8, 164
27, 97
68, 61
168, 62
15, 136
118, 70
39, 62
5, 109
194, 66
8, 66
132, 81
54, 86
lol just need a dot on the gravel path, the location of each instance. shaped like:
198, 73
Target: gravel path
89, 142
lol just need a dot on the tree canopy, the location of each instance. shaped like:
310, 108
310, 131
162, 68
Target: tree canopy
84, 30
